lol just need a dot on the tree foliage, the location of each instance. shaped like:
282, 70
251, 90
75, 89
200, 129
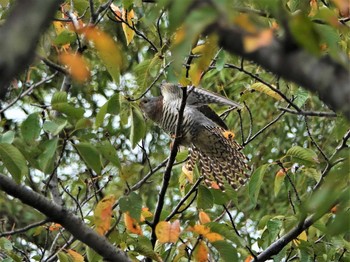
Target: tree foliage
84, 175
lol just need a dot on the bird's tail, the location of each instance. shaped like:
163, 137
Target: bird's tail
230, 165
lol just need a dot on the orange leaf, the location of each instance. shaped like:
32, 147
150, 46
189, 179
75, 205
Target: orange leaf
245, 23
54, 227
313, 8
117, 12
203, 217
249, 259
107, 49
168, 232
280, 173
253, 42
205, 232
132, 225
128, 32
103, 214
214, 185
201, 252
77, 66
75, 256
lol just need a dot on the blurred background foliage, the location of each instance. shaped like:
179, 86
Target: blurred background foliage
72, 118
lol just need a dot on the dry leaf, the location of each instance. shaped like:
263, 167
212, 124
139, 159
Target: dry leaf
103, 214
132, 225
54, 227
168, 232
129, 33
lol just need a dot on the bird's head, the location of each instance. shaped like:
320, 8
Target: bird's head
152, 108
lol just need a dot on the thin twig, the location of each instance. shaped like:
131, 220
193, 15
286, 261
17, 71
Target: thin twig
27, 91
308, 113
313, 140
183, 200
24, 229
167, 172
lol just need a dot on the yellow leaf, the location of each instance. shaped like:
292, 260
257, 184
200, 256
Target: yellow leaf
206, 52
132, 225
188, 174
103, 214
168, 232
128, 32
266, 90
302, 237
201, 252
255, 41
107, 49
77, 66
203, 217
145, 213
244, 22
59, 27
75, 256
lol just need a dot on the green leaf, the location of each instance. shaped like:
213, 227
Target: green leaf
109, 152
7, 137
114, 104
65, 37
300, 27
227, 251
205, 198
92, 255
46, 159
305, 155
30, 128
144, 247
55, 126
220, 62
14, 161
274, 227
69, 110
63, 257
90, 156
5, 244
83, 123
138, 127
340, 224
301, 96
59, 97
132, 204
279, 179
255, 183
100, 116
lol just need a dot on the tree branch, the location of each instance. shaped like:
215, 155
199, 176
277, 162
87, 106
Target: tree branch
64, 217
19, 36
169, 166
321, 75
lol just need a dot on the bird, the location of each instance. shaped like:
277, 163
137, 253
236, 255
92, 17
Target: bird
211, 145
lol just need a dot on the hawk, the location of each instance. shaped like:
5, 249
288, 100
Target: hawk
211, 145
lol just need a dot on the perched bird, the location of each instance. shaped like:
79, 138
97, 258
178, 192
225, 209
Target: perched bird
210, 144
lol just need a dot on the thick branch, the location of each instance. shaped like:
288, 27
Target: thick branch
64, 217
19, 36
321, 75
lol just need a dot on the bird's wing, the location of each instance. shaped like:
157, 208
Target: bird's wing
197, 96
209, 113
